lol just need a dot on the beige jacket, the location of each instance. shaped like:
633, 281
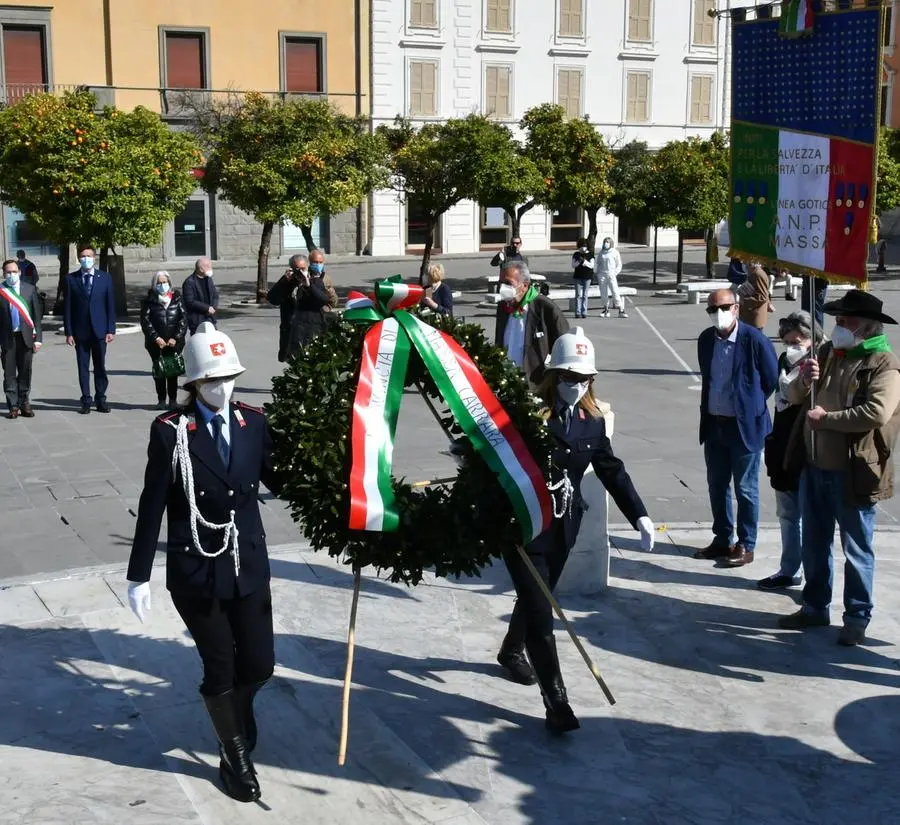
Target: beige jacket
857, 435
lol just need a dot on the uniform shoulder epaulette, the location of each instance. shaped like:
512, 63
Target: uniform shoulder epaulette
169, 416
244, 406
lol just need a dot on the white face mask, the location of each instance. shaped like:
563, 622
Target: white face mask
571, 392
87, 263
507, 292
12, 279
842, 338
216, 393
795, 352
605, 246
723, 319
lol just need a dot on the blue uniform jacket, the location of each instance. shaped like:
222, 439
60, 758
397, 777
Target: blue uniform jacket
586, 444
89, 316
753, 380
218, 491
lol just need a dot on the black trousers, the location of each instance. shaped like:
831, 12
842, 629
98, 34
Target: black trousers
164, 385
17, 371
233, 636
92, 351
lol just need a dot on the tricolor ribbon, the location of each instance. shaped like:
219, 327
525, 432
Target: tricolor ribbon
15, 300
376, 407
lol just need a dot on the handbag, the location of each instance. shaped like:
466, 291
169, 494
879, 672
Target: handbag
168, 365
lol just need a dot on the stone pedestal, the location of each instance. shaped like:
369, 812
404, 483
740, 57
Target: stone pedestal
587, 570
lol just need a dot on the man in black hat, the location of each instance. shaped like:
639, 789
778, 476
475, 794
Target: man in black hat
847, 440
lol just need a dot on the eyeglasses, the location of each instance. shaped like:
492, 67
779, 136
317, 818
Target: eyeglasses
517, 243
712, 310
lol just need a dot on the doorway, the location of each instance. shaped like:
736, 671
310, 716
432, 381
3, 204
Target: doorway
191, 230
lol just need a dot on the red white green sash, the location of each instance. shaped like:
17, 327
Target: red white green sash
14, 299
376, 408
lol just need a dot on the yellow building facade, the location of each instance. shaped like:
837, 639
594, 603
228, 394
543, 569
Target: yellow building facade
148, 52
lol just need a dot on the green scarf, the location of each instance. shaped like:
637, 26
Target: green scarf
870, 346
518, 310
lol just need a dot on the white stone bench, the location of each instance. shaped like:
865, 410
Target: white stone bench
493, 281
694, 290
793, 287
594, 291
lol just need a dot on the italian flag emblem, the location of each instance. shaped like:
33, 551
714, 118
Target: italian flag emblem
797, 17
801, 199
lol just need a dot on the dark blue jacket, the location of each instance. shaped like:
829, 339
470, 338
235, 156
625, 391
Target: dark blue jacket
218, 491
584, 445
89, 316
754, 379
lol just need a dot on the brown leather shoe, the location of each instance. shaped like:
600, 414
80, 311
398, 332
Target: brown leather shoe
13, 413
739, 556
714, 551
27, 412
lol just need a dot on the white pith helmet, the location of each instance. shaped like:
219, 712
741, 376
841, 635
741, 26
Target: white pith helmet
210, 354
573, 351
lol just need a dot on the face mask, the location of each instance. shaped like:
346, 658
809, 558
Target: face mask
426, 282
317, 268
842, 338
605, 246
217, 393
162, 289
724, 319
795, 352
507, 292
571, 392
12, 279
86, 263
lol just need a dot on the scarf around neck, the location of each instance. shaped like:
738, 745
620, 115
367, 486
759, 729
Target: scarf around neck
878, 343
518, 310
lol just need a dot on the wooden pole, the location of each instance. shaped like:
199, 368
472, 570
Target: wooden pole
562, 617
348, 671
811, 281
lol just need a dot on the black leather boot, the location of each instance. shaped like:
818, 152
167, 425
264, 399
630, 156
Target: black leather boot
560, 718
245, 696
235, 768
512, 652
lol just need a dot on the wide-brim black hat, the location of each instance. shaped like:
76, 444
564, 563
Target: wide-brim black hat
858, 304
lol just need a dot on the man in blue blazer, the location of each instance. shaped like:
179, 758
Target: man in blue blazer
740, 372
90, 324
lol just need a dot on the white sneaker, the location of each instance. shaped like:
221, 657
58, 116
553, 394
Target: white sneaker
622, 313
604, 313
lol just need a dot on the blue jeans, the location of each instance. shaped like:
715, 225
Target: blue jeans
787, 508
822, 504
581, 295
727, 460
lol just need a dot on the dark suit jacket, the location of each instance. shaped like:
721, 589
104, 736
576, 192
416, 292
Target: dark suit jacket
753, 380
30, 297
586, 444
192, 293
218, 491
93, 316
544, 323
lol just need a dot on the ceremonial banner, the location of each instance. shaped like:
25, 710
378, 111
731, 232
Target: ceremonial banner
804, 139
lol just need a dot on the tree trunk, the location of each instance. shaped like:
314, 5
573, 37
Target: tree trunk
679, 266
429, 243
61, 280
655, 249
515, 216
113, 264
262, 262
710, 263
308, 238
592, 226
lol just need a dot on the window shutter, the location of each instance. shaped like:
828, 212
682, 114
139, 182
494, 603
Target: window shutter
25, 69
422, 88
502, 106
704, 25
639, 15
701, 99
499, 15
570, 18
184, 60
490, 89
637, 108
302, 65
569, 91
423, 13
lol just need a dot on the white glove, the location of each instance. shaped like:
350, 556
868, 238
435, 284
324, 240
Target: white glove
502, 256
139, 598
647, 532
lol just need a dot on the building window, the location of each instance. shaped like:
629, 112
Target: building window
423, 14
417, 228
185, 59
885, 102
499, 16
303, 64
568, 90
566, 227
20, 234
495, 227
24, 61
497, 91
423, 87
701, 99
640, 20
637, 97
571, 18
704, 26
888, 31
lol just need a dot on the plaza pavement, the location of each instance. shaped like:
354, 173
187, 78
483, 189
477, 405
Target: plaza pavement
721, 718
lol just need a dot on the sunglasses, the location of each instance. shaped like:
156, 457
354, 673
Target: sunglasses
714, 309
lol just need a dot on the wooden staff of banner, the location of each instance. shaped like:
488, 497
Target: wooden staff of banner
348, 670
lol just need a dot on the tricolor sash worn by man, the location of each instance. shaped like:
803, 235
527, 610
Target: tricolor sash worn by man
20, 338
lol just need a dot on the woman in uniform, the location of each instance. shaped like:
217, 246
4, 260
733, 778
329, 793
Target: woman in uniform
579, 430
204, 467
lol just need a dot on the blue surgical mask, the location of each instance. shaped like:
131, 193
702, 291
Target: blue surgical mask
86, 262
316, 268
605, 246
12, 279
162, 289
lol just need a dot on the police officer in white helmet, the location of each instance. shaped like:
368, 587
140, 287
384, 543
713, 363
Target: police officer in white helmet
204, 466
576, 421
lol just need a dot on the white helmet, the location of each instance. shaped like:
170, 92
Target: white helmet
210, 354
574, 352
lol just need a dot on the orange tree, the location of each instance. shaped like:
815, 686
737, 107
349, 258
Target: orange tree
109, 178
290, 160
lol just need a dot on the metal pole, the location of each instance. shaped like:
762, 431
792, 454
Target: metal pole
811, 281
